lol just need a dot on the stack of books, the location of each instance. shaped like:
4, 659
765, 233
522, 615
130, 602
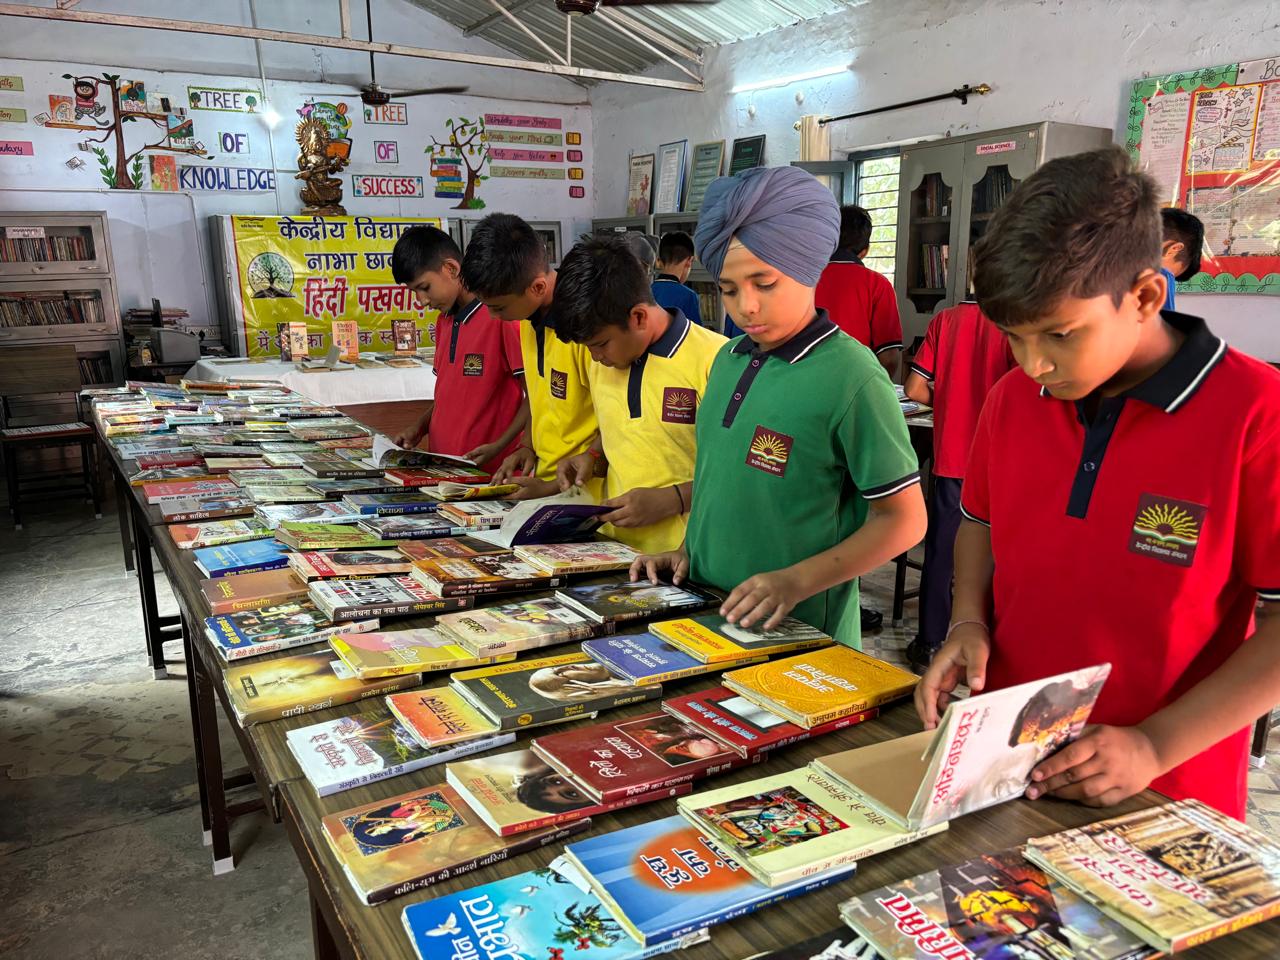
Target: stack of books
482, 575
420, 650
379, 597
516, 626
302, 535
297, 623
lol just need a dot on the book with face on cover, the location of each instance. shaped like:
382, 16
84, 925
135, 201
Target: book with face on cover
214, 533
794, 825
517, 791
379, 597
446, 548
617, 601
390, 504
515, 695
405, 651
249, 591
645, 658
512, 627
295, 623
424, 527
264, 690
245, 557
1177, 875
992, 907
304, 535
981, 754
713, 639
493, 573
819, 686
348, 564
567, 558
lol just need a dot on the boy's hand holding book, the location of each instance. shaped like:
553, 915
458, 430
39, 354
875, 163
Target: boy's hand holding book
1104, 766
766, 597
643, 506
652, 566
575, 471
962, 659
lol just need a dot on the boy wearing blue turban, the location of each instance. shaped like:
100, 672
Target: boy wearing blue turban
805, 478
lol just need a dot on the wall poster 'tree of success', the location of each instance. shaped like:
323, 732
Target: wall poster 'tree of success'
1211, 140
317, 270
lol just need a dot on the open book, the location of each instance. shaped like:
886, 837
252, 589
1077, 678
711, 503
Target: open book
386, 453
569, 517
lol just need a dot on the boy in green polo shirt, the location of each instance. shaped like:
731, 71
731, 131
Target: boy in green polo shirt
805, 478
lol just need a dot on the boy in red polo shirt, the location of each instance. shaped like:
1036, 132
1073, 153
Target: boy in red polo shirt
962, 357
860, 301
1121, 501
479, 407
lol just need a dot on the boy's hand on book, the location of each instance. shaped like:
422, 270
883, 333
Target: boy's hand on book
530, 487
765, 598
408, 439
1104, 766
521, 461
483, 453
641, 507
962, 659
652, 566
575, 471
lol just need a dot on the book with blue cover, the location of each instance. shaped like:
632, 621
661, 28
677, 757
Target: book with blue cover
251, 633
390, 504
243, 557
666, 878
644, 658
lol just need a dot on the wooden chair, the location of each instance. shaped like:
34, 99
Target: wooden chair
43, 380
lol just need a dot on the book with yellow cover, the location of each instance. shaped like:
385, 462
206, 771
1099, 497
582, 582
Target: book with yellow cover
438, 716
713, 639
396, 652
821, 685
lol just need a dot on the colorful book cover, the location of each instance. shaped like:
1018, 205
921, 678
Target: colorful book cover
249, 591
981, 754
617, 601
993, 907
430, 476
348, 564
447, 548
478, 514
665, 878
214, 533
349, 441
346, 337
302, 535
368, 746
404, 333
1177, 875
379, 597
263, 690
303, 430
243, 557
269, 493
643, 657
515, 695
411, 527
390, 504
793, 825
274, 514
439, 716
512, 627
745, 726
241, 465
713, 639
838, 944
596, 557
251, 633
494, 573
297, 334
635, 755
405, 651
518, 791
172, 458
333, 489
386, 453
823, 685
471, 491
186, 489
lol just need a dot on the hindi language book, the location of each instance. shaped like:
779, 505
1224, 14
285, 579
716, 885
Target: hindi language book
244, 557
274, 514
578, 558
304, 535
512, 627
423, 527
215, 533
492, 573
713, 639
405, 651
439, 716
433, 475
264, 690
251, 633
619, 601
270, 493
478, 514
471, 491
390, 504
644, 657
446, 548
249, 591
569, 517
348, 564
169, 490
379, 597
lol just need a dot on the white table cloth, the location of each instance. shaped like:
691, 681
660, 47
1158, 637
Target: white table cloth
333, 388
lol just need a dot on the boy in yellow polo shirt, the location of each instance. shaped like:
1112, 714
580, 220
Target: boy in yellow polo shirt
649, 374
506, 266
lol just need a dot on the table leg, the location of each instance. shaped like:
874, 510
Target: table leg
124, 509
189, 654
326, 948
210, 765
147, 590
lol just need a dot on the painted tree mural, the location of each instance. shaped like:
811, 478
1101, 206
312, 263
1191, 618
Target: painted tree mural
466, 142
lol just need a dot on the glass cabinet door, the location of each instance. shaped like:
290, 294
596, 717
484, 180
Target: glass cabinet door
51, 244
930, 175
992, 169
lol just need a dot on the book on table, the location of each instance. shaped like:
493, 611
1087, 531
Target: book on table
295, 623
713, 639
387, 453
433, 475
478, 515
334, 489
390, 504
570, 517
446, 548
515, 626
440, 716
981, 753
470, 491
367, 746
838, 944
532, 692
235, 464
416, 650
169, 474
644, 657
205, 508
339, 468
992, 907
348, 564
620, 600
171, 458
283, 477
302, 535
186, 489
793, 825
264, 690
270, 493
517, 791
245, 557
215, 533
274, 514
358, 441
489, 574
380, 597
818, 686
418, 527
249, 591
601, 556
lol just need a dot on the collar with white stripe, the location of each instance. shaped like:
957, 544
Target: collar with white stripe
667, 278
845, 256
667, 344
799, 346
467, 312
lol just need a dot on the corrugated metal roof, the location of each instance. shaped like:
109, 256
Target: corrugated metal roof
598, 46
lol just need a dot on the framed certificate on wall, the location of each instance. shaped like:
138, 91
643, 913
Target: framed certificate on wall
670, 191
640, 185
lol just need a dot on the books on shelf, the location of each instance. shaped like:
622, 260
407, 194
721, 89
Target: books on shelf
395, 652
934, 261
712, 639
251, 633
439, 716
264, 690
446, 548
816, 687
243, 557
512, 627
390, 504
379, 597
420, 527
323, 511
619, 601
348, 564
981, 754
304, 535
249, 591
213, 533
51, 309
600, 556
644, 657
488, 574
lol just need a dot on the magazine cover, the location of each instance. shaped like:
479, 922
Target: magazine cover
405, 651
241, 557
262, 690
512, 627
446, 548
516, 695
439, 716
644, 658
713, 639
1177, 875
379, 597
249, 591
493, 573
621, 600
994, 907
274, 514
596, 557
213, 533
348, 564
251, 633
423, 527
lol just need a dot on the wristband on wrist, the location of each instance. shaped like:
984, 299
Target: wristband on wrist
680, 497
960, 623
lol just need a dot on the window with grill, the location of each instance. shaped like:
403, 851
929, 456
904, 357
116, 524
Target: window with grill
876, 189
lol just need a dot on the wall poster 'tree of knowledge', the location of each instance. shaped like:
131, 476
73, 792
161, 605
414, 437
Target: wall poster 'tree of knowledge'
1211, 140
317, 270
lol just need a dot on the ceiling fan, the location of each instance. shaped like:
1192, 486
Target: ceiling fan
372, 93
591, 6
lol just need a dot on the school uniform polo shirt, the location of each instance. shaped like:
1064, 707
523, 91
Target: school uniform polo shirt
671, 294
562, 418
793, 444
1143, 538
478, 392
648, 416
962, 357
860, 302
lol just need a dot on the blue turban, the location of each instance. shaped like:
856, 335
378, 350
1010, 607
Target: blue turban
781, 214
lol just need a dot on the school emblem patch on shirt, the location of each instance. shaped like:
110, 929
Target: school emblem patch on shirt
679, 405
769, 451
1166, 529
559, 384
473, 365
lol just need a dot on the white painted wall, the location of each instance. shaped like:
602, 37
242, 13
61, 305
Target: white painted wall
1066, 60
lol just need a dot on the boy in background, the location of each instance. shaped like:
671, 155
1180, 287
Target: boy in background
860, 301
1121, 502
647, 381
1180, 252
506, 267
479, 408
962, 357
805, 478
675, 260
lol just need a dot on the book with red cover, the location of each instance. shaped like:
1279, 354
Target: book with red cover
745, 726
250, 591
181, 489
622, 758
447, 548
431, 476
175, 458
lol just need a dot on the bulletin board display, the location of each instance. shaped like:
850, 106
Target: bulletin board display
1211, 140
316, 270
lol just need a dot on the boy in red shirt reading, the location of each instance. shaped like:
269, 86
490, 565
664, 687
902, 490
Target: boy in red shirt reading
1121, 501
